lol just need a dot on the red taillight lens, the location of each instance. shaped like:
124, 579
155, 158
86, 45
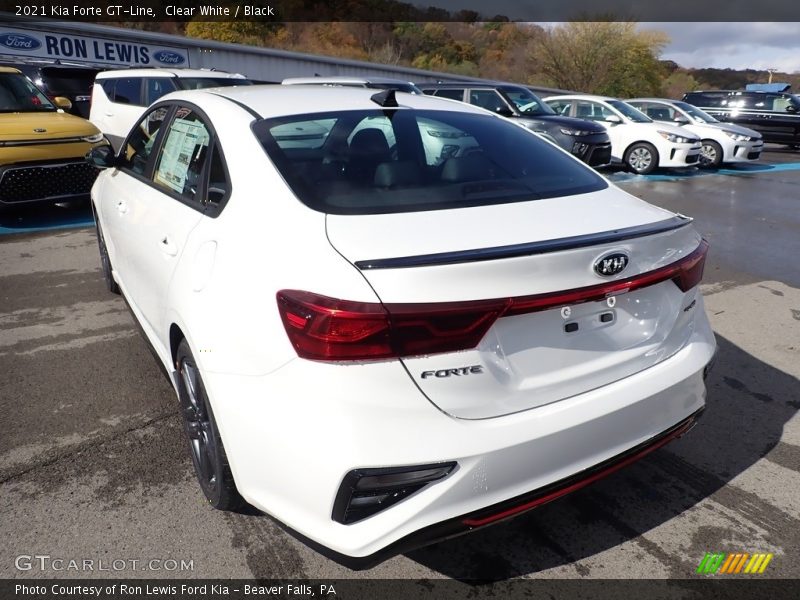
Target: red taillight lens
690, 271
323, 328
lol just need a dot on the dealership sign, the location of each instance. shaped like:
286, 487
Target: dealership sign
77, 48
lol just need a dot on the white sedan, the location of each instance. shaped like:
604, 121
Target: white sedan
636, 140
722, 142
380, 348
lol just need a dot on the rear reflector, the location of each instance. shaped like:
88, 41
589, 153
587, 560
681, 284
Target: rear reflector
365, 492
323, 328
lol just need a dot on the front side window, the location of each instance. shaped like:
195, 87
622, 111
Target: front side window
488, 99
695, 113
376, 162
183, 154
629, 112
139, 145
18, 94
528, 104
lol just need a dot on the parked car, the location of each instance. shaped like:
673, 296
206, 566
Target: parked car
376, 83
722, 143
119, 97
775, 115
636, 141
357, 334
70, 81
41, 147
586, 140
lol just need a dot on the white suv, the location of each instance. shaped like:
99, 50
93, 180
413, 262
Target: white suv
636, 141
120, 97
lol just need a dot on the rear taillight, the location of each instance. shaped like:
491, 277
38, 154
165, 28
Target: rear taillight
323, 328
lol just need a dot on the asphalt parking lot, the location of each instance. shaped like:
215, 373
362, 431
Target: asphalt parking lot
93, 464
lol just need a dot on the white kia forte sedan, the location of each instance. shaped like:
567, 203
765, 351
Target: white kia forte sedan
381, 348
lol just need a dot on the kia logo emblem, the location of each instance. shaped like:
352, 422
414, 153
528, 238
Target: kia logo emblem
19, 41
612, 264
169, 58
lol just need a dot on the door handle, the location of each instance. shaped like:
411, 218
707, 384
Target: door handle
167, 247
122, 207
108, 114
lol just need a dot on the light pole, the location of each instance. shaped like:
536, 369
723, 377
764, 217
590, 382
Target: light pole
771, 71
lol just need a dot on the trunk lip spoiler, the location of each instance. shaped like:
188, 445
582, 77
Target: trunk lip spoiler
527, 248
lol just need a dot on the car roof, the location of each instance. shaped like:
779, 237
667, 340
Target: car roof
169, 73
269, 101
581, 97
662, 100
471, 84
341, 79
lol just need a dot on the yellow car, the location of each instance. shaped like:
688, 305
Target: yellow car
42, 148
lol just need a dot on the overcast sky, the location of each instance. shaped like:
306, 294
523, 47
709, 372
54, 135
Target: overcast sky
732, 45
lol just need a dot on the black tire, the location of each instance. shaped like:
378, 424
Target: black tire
641, 158
710, 154
105, 262
205, 445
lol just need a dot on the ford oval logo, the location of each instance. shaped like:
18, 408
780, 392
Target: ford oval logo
19, 41
169, 58
611, 264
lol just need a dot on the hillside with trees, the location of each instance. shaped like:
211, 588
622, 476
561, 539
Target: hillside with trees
613, 58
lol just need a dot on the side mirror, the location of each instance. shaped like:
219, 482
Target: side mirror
62, 102
504, 111
102, 157
613, 119
791, 108
680, 120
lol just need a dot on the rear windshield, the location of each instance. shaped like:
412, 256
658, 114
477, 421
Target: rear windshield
18, 94
374, 162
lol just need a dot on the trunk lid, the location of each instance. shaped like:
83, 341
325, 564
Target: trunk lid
529, 358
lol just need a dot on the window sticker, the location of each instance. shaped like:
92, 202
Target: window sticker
185, 144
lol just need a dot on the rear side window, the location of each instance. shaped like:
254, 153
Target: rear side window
374, 162
155, 87
127, 90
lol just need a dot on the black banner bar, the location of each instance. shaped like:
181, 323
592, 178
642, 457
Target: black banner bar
182, 11
715, 587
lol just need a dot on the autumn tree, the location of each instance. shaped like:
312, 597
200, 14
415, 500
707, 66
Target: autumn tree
611, 58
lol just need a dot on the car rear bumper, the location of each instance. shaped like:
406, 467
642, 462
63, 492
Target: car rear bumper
293, 435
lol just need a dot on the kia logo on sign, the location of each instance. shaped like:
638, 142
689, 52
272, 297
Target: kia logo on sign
611, 264
169, 58
19, 41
